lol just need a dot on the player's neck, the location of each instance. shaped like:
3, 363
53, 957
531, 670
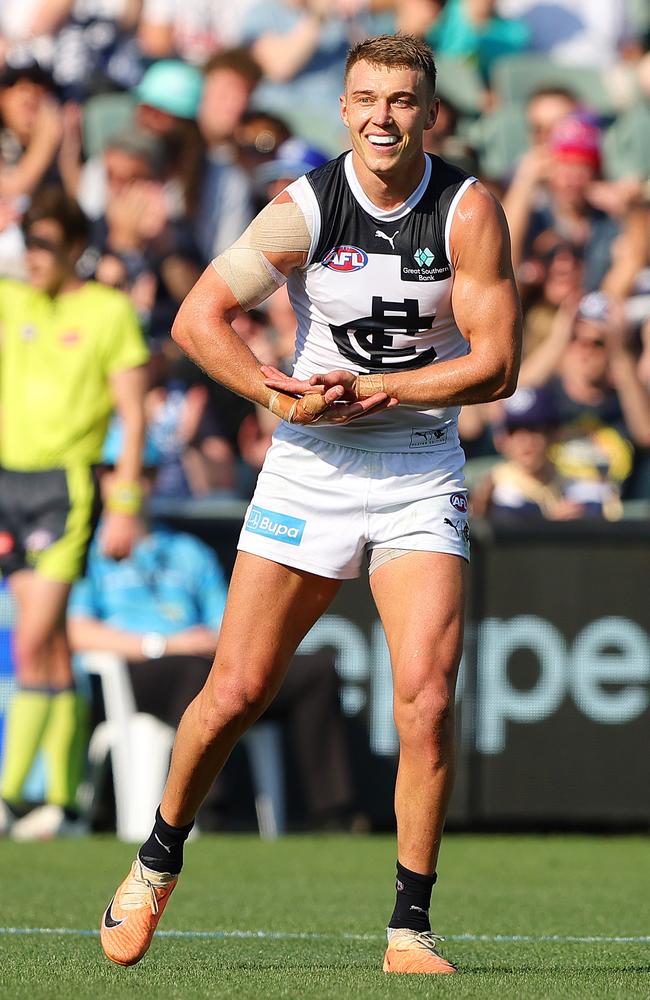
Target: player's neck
389, 191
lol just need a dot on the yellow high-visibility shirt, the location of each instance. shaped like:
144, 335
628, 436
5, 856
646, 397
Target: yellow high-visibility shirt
56, 358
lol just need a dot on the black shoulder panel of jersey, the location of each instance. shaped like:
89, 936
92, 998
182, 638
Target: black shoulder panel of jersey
333, 194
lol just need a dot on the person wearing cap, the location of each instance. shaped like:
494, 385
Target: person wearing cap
292, 159
588, 366
526, 484
72, 351
215, 196
554, 198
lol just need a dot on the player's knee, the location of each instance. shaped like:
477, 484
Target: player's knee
30, 652
425, 716
233, 705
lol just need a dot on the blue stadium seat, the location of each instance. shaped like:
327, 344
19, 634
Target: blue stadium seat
515, 78
103, 117
626, 145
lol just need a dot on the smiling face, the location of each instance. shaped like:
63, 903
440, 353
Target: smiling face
387, 110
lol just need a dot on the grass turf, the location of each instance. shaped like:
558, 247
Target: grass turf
332, 887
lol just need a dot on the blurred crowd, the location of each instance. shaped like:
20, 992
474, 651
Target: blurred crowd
172, 123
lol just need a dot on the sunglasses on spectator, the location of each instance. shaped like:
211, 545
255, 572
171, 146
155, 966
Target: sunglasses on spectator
40, 243
590, 341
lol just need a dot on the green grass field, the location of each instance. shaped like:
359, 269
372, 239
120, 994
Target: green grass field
337, 893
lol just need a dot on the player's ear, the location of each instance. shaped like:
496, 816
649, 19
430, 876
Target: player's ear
343, 108
434, 108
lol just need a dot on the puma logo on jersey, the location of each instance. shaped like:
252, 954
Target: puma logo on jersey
390, 239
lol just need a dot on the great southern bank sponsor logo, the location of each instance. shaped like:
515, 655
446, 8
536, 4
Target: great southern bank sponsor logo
346, 258
271, 524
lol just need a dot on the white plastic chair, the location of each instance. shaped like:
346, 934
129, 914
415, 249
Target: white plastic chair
140, 746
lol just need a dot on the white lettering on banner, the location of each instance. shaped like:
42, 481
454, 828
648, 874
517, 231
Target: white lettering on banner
610, 651
498, 701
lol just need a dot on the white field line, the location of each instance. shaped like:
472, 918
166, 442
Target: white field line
309, 936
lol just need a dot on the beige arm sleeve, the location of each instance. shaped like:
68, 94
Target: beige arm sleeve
251, 277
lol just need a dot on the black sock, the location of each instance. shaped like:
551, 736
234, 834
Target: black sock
163, 851
413, 899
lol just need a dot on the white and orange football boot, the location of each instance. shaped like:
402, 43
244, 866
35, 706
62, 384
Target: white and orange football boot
132, 915
415, 952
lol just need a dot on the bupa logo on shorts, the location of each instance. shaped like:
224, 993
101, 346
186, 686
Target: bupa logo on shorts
459, 502
429, 439
346, 258
271, 524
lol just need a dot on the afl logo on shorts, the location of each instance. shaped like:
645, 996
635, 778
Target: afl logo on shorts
459, 502
346, 258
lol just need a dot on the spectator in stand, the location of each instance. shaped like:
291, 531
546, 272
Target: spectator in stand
135, 246
576, 32
88, 45
545, 107
526, 485
561, 271
473, 30
30, 130
441, 140
257, 138
195, 187
161, 609
292, 159
71, 352
550, 200
192, 30
230, 78
195, 457
588, 366
301, 46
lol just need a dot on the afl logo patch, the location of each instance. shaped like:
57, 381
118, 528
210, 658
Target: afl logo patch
459, 502
346, 258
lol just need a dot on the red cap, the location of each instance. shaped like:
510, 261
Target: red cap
576, 138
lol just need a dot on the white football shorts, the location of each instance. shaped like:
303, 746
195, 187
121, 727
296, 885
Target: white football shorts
321, 507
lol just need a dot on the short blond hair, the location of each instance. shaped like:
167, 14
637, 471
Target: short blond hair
395, 51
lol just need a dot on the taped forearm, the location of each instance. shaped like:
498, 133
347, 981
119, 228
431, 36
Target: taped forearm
251, 277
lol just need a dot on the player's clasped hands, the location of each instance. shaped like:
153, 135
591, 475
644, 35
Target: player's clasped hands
329, 398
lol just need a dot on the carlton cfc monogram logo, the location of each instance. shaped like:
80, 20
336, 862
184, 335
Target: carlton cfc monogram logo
346, 258
386, 340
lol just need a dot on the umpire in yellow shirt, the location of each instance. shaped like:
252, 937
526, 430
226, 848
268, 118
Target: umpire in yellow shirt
70, 353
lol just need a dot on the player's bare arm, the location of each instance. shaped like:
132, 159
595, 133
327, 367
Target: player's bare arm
275, 243
486, 309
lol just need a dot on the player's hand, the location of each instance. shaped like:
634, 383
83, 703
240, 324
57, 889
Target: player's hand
320, 383
330, 398
118, 535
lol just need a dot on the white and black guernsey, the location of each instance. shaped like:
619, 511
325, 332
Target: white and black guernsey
375, 295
